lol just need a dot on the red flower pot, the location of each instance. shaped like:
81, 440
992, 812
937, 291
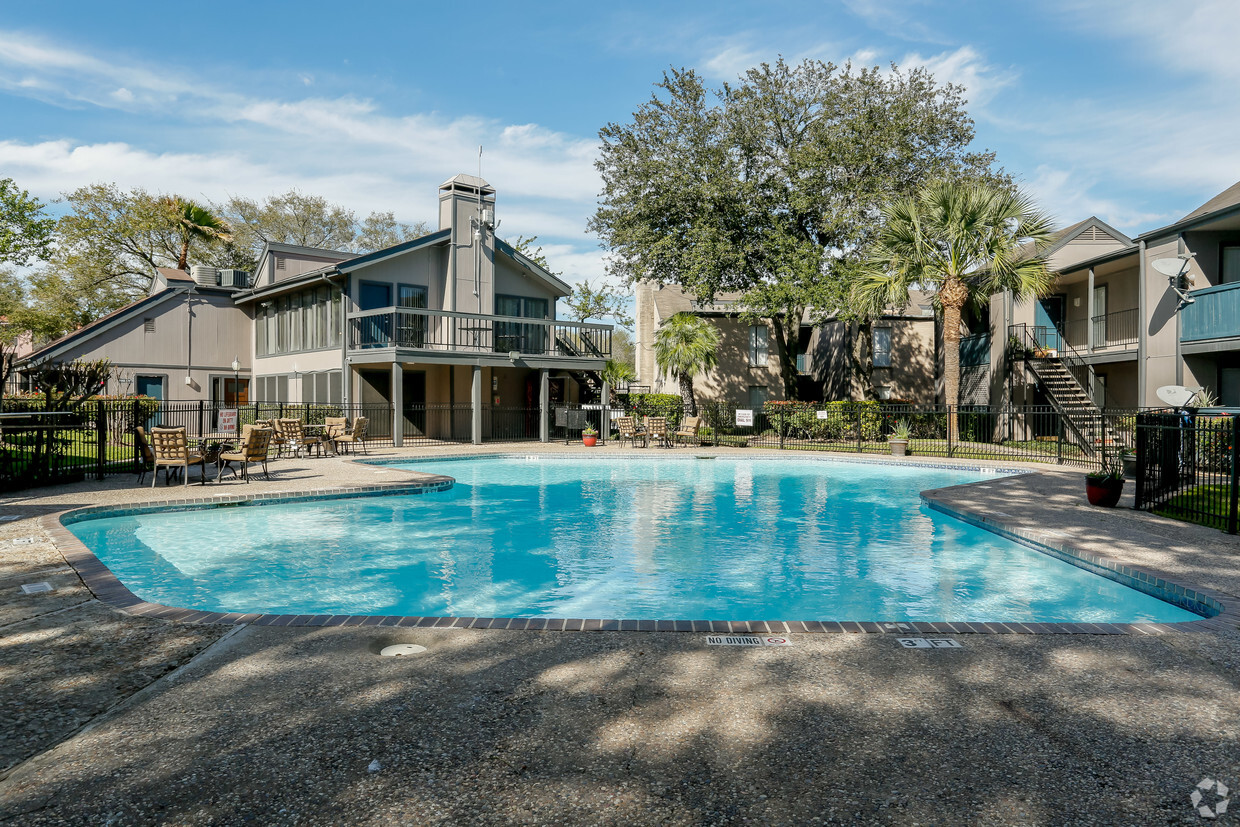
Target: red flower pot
589, 441
1103, 491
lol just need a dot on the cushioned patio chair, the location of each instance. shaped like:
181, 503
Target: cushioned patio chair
255, 442
171, 449
355, 437
688, 431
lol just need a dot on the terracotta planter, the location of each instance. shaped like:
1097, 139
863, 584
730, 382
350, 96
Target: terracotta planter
589, 441
898, 447
1103, 491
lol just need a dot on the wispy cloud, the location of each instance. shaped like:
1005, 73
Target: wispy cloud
346, 148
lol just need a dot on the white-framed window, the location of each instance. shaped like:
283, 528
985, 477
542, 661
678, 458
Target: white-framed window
758, 351
882, 347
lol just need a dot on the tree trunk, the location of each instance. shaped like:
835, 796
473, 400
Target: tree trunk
686, 395
786, 327
862, 356
952, 297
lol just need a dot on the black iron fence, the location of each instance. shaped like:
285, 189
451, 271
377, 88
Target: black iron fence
1187, 469
38, 448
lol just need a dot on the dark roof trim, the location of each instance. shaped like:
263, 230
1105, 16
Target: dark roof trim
285, 285
395, 250
529, 264
102, 323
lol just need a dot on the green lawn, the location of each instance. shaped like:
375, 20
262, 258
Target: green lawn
1206, 505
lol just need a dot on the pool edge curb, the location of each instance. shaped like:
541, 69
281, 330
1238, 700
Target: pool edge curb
108, 588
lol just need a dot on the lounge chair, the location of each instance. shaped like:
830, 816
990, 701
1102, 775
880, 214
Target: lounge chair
255, 443
688, 431
171, 448
357, 436
626, 426
656, 427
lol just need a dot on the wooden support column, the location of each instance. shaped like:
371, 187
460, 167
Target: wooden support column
475, 400
544, 406
398, 405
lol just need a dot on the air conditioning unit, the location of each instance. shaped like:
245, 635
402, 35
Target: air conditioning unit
237, 279
205, 275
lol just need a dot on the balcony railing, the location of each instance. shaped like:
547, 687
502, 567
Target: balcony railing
407, 328
1214, 314
1110, 330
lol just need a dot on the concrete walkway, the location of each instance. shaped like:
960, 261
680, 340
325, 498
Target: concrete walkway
107, 718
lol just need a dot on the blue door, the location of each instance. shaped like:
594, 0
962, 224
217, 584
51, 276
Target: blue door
152, 386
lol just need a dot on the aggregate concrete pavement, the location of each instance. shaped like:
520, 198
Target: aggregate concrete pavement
109, 718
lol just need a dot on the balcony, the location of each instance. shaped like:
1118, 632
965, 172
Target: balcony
1111, 331
1214, 314
434, 332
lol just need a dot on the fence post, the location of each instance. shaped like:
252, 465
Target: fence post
101, 436
1233, 519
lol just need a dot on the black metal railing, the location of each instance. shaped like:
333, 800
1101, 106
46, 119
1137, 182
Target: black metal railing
444, 331
1187, 468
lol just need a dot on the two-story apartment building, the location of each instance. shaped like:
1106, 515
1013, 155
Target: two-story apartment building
454, 318
1119, 324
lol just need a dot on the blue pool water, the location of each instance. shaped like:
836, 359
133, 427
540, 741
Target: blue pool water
657, 538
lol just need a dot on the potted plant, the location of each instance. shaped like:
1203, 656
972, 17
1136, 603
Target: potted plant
1104, 486
589, 437
899, 438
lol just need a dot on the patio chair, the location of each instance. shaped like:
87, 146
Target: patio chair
688, 431
627, 428
255, 443
171, 449
334, 427
297, 439
357, 436
146, 460
656, 427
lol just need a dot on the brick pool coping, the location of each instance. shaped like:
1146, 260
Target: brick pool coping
108, 588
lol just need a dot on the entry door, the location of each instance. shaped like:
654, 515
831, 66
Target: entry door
1100, 316
1048, 319
152, 386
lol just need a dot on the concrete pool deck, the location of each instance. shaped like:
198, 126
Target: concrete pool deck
134, 720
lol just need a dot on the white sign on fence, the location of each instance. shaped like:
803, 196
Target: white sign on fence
228, 421
744, 417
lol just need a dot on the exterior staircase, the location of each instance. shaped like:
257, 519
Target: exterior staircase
1084, 423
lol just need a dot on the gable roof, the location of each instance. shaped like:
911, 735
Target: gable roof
535, 269
1229, 197
103, 323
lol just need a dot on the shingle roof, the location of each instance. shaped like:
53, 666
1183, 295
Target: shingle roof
1229, 197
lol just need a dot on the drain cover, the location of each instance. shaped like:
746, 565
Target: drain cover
398, 649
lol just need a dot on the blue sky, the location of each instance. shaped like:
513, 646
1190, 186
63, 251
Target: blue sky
1126, 109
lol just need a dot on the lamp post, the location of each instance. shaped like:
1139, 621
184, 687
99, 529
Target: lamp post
236, 366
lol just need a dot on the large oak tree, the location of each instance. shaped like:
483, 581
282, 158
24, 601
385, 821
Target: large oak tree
773, 186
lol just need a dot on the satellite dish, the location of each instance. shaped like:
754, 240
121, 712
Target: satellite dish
1177, 396
1169, 266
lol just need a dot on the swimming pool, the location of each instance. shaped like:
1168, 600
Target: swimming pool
651, 537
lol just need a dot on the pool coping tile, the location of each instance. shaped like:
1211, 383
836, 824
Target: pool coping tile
1215, 607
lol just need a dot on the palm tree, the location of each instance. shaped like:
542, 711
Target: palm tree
617, 373
968, 240
193, 222
686, 345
